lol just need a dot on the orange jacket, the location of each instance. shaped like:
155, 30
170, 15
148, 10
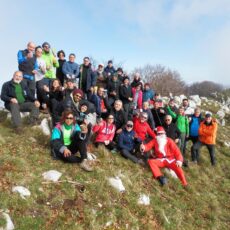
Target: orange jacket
207, 133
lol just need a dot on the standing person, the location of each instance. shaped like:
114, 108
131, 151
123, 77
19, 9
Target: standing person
109, 70
119, 116
171, 129
120, 74
167, 156
87, 78
113, 89
28, 65
147, 110
183, 125
142, 128
136, 80
127, 143
173, 107
188, 110
148, 93
51, 62
101, 77
67, 139
137, 96
71, 68
61, 60
158, 113
207, 137
126, 96
18, 98
194, 125
105, 131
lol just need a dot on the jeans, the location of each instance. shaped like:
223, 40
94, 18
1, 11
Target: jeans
127, 154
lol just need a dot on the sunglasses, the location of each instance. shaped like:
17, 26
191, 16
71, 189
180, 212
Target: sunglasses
129, 126
69, 118
159, 134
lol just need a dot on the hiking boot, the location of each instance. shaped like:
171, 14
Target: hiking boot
162, 180
141, 162
85, 165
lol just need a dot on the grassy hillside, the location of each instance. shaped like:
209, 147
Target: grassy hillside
91, 203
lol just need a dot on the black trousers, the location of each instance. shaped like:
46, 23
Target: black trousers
194, 153
211, 150
77, 145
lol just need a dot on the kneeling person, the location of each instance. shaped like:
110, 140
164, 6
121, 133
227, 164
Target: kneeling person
167, 155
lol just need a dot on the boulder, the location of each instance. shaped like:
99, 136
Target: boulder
196, 99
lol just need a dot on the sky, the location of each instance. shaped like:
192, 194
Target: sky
189, 36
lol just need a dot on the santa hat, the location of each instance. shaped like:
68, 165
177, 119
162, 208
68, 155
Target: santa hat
160, 129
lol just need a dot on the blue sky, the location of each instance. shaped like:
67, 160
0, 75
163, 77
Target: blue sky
190, 36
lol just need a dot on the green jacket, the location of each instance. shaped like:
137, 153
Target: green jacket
181, 121
51, 64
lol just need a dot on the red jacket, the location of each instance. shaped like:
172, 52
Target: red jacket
104, 132
139, 99
141, 129
172, 152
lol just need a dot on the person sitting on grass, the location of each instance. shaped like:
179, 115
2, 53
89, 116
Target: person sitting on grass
105, 131
167, 155
127, 143
68, 138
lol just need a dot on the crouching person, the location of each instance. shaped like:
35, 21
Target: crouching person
127, 142
68, 138
167, 155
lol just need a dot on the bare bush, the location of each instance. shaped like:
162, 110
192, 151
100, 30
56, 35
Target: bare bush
162, 79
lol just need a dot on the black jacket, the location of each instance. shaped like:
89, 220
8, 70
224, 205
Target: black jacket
125, 93
113, 86
8, 92
172, 131
119, 118
158, 116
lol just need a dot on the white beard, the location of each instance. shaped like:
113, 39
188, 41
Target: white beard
17, 81
162, 141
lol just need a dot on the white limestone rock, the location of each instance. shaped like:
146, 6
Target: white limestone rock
52, 175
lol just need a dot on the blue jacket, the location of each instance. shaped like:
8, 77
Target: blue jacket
71, 68
148, 95
194, 125
96, 100
126, 140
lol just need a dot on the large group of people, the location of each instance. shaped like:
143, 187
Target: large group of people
104, 107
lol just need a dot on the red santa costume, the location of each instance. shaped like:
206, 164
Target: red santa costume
167, 155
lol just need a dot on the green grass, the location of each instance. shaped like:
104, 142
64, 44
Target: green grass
95, 204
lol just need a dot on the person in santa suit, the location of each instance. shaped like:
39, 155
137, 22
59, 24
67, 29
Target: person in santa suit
167, 155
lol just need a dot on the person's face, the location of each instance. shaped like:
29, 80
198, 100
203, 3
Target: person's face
168, 120
69, 119
77, 97
86, 62
71, 58
181, 111
119, 73
171, 103
126, 81
185, 103
17, 78
145, 105
138, 88
143, 119
110, 119
100, 68
110, 65
117, 106
46, 48
129, 127
114, 78
208, 119
197, 113
31, 47
55, 84
69, 85
156, 105
38, 52
61, 56
83, 108
147, 87
100, 92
